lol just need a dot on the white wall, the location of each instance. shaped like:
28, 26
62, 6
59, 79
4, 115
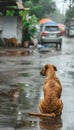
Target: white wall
10, 27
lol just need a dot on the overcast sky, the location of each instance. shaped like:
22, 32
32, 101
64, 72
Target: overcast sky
61, 6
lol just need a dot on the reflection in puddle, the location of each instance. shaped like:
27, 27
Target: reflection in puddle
12, 93
51, 124
25, 53
26, 124
10, 106
16, 52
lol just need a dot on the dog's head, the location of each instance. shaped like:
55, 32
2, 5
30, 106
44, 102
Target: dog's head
48, 70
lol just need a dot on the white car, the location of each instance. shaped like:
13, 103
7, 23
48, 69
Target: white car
50, 34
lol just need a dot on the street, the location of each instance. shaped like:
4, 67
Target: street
20, 68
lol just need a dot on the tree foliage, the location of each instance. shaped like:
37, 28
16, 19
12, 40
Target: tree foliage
70, 13
40, 8
29, 28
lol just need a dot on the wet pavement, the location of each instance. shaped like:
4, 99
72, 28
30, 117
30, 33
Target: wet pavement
21, 87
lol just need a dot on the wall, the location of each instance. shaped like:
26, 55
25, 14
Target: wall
11, 26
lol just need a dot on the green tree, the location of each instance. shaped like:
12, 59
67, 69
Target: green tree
58, 17
40, 8
29, 28
70, 13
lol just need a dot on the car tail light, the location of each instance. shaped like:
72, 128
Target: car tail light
60, 33
44, 34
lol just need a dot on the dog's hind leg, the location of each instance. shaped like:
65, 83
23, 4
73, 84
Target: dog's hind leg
42, 106
60, 107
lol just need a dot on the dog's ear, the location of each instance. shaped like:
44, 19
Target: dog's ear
46, 67
55, 68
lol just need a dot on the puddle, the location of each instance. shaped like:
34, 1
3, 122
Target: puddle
51, 124
16, 52
26, 124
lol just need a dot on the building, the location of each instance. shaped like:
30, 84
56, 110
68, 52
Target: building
11, 26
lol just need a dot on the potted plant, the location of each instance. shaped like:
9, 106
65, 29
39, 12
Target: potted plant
29, 28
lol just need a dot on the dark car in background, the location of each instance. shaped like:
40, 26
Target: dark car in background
50, 34
69, 32
69, 27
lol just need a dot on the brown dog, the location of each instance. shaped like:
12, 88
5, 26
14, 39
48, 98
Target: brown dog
51, 105
52, 91
11, 41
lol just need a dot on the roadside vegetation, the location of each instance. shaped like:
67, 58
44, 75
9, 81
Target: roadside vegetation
70, 11
40, 8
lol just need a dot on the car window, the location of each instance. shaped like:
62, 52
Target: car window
51, 28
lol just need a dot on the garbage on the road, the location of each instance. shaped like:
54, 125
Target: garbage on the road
31, 46
44, 47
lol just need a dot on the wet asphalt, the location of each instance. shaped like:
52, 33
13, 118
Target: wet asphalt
20, 71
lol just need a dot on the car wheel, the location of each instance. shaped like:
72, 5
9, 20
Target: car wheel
56, 45
41, 42
60, 44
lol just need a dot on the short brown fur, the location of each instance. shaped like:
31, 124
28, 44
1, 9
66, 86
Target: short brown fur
52, 88
11, 41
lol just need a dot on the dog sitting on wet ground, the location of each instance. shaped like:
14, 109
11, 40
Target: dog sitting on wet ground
51, 105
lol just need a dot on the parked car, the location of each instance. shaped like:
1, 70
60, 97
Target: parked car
50, 34
69, 27
71, 31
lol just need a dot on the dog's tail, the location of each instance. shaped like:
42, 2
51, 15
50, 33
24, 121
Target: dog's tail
42, 114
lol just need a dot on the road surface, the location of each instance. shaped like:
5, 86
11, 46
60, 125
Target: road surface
20, 68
